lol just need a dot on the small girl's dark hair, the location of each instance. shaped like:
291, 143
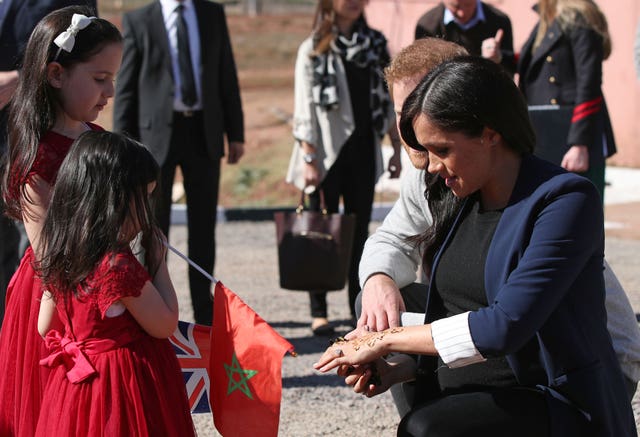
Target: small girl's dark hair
100, 191
32, 111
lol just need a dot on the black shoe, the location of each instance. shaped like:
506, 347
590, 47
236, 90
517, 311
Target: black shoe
325, 330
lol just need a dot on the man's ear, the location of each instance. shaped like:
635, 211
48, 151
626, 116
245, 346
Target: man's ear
54, 74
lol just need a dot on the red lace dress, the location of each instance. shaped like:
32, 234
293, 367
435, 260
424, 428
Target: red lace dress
21, 347
109, 377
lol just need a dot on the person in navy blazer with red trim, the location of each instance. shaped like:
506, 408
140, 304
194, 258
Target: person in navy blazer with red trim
515, 339
561, 64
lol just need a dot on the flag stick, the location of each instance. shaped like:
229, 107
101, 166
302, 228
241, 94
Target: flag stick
191, 263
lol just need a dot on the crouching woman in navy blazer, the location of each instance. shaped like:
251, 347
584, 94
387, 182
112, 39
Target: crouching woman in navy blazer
515, 339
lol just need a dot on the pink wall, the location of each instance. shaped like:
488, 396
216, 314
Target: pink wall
397, 19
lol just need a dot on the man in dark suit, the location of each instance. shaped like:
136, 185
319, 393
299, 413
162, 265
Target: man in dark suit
17, 20
478, 27
177, 92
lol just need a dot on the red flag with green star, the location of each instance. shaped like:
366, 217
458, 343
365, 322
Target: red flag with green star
245, 369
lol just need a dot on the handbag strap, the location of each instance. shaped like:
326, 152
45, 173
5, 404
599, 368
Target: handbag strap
323, 205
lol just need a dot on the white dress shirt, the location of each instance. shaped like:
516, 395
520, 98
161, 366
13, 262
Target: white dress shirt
170, 15
478, 17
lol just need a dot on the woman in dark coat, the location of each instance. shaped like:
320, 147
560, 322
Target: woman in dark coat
561, 64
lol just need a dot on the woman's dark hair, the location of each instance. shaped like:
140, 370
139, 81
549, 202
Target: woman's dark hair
100, 191
32, 111
444, 207
463, 95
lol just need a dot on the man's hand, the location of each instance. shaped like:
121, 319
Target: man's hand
381, 303
398, 368
236, 150
576, 159
491, 47
8, 84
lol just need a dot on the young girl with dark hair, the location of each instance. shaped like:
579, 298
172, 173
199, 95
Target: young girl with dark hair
112, 360
66, 79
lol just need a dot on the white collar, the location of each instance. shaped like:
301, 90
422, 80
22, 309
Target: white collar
168, 6
478, 17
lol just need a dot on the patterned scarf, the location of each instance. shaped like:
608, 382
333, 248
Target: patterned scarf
365, 48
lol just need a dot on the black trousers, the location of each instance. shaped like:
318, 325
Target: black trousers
351, 177
504, 412
201, 178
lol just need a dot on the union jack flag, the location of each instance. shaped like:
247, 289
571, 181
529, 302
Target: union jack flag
192, 345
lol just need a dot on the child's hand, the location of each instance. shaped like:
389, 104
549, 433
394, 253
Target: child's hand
157, 252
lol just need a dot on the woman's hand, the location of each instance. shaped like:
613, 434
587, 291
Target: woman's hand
361, 350
311, 175
576, 159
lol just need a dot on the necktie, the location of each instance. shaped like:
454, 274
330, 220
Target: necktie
187, 81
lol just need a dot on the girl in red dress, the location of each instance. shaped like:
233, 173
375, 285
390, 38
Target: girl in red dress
70, 63
114, 372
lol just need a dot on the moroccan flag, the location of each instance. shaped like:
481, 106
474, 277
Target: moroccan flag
245, 369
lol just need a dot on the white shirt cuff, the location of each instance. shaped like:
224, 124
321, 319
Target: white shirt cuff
452, 340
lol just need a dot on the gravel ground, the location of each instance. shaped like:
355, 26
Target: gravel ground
315, 404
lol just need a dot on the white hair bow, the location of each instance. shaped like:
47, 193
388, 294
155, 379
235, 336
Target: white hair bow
67, 39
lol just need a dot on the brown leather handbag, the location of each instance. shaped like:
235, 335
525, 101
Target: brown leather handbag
314, 248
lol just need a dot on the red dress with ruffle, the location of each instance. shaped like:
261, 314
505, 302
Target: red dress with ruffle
21, 347
109, 377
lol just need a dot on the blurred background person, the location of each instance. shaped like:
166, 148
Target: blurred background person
342, 110
480, 28
561, 64
177, 92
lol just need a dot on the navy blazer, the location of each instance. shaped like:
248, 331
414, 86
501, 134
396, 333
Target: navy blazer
143, 105
545, 288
